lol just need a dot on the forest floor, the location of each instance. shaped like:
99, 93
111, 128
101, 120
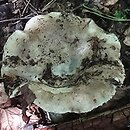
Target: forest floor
111, 15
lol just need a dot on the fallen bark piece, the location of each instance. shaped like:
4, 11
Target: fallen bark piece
109, 2
104, 2
117, 119
72, 65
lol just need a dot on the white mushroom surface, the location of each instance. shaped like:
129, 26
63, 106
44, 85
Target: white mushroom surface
72, 65
127, 37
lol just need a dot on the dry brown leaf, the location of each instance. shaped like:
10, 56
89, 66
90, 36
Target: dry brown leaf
3, 95
11, 119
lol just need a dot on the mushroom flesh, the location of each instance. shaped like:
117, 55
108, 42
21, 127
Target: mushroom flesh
71, 64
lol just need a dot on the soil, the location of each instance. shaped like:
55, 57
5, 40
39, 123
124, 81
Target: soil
111, 116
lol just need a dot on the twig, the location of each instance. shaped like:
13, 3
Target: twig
25, 7
33, 9
48, 5
14, 19
77, 8
103, 15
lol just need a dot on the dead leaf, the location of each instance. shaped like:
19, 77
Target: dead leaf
11, 119
3, 95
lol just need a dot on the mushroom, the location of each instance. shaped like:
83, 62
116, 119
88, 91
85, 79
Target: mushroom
71, 64
127, 37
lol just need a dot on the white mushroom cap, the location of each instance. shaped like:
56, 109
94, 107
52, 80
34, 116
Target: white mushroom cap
71, 63
127, 37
